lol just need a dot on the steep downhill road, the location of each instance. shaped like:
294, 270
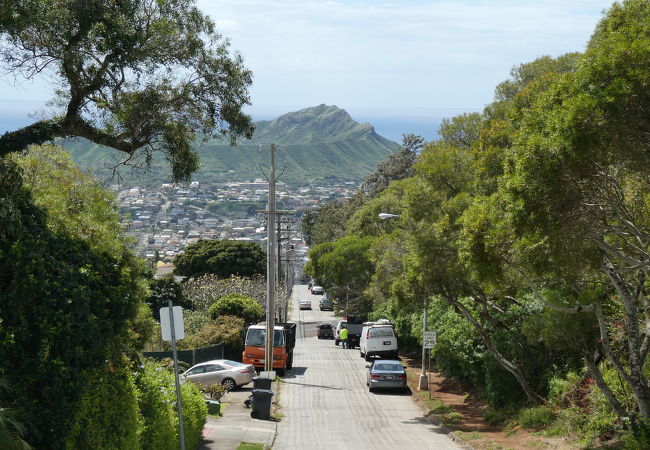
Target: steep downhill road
326, 404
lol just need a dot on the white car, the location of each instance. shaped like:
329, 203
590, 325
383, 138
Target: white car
304, 304
231, 374
317, 290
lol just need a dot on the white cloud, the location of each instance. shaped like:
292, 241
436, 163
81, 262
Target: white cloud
448, 53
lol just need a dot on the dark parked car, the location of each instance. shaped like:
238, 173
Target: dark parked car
325, 331
326, 304
386, 373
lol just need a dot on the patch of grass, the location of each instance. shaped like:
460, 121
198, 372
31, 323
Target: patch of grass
470, 436
536, 418
250, 446
498, 416
434, 405
534, 444
451, 418
511, 433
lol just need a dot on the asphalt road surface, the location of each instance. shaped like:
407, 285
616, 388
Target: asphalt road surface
326, 403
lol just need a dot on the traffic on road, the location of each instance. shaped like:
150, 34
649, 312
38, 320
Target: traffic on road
354, 396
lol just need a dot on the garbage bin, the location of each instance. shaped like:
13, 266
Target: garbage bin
262, 383
262, 403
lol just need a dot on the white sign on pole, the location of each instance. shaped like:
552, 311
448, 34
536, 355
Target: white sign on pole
165, 325
429, 339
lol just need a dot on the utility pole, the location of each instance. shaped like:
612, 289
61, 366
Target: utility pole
271, 265
270, 269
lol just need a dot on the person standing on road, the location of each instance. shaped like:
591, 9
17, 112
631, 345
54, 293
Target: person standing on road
343, 335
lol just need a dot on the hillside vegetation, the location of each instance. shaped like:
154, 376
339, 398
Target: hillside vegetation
321, 144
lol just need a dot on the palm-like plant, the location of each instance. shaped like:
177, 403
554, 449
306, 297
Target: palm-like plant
11, 430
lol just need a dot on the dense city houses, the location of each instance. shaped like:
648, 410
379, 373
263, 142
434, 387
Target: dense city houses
165, 220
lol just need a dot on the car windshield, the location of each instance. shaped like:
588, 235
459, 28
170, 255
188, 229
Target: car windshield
381, 332
256, 337
388, 366
325, 325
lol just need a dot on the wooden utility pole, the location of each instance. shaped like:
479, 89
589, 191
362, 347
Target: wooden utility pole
270, 268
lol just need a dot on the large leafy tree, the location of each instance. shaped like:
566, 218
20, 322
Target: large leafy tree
65, 303
579, 186
133, 75
398, 166
223, 258
344, 268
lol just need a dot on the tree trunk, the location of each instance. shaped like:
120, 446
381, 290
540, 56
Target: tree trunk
602, 385
510, 367
636, 379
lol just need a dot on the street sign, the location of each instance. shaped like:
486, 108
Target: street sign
429, 339
165, 323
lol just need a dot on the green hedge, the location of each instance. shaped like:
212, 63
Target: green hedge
157, 402
126, 410
108, 416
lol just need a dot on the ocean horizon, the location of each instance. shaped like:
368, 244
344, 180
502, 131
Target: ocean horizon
390, 127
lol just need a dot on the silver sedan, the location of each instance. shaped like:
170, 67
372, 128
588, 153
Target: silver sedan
386, 373
231, 374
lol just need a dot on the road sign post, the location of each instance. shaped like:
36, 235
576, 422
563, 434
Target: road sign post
171, 324
429, 339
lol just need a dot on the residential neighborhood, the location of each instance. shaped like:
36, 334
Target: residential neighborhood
165, 220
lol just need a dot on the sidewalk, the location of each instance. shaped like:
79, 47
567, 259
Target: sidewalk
236, 425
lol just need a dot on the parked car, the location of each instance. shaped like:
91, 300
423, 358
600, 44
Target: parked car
325, 304
231, 374
386, 374
317, 290
325, 331
304, 304
378, 339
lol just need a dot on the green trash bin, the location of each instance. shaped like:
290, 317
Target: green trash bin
262, 403
262, 383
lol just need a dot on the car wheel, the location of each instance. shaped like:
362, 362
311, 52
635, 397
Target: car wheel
229, 384
336, 342
361, 354
281, 372
370, 389
367, 357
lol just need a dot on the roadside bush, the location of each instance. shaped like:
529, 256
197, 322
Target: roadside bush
155, 385
536, 418
108, 415
157, 403
195, 413
225, 330
581, 409
214, 391
237, 305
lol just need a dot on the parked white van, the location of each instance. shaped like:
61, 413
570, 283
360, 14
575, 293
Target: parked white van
378, 339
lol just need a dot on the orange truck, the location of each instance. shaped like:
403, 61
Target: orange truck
284, 341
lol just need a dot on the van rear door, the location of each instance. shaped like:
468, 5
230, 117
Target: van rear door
381, 339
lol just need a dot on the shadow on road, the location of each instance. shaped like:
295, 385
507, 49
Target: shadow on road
336, 388
400, 392
295, 371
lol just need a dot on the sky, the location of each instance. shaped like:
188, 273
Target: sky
400, 65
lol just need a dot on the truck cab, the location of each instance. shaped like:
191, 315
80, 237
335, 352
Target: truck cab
284, 340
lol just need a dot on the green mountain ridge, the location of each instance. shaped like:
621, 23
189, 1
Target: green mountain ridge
317, 145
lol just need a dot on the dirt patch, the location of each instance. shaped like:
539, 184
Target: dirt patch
461, 411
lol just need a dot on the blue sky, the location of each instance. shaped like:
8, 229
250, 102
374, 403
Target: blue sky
400, 65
